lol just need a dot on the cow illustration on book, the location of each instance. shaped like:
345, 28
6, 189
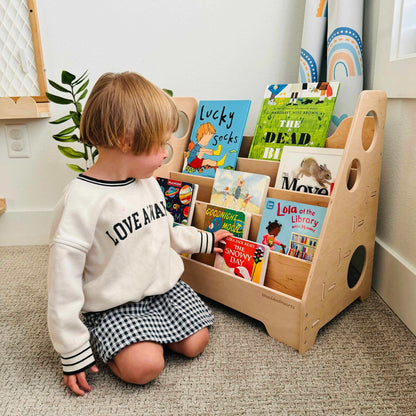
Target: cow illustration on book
198, 152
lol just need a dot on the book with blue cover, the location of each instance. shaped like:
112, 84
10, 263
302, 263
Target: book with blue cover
216, 136
291, 228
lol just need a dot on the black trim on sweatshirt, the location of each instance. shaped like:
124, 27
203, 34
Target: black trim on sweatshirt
213, 243
80, 361
70, 373
73, 356
102, 182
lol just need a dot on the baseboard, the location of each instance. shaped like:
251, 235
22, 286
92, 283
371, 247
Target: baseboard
394, 279
21, 228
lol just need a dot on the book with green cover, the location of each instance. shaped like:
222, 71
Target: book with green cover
235, 221
293, 115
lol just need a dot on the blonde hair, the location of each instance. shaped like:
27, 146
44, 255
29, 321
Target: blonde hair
130, 108
204, 129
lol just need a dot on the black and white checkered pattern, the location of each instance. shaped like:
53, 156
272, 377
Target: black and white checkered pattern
170, 317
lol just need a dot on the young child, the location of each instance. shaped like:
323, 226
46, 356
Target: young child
114, 250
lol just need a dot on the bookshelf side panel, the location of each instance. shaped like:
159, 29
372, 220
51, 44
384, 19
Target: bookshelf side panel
350, 223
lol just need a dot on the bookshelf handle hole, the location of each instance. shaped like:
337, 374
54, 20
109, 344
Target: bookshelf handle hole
183, 125
354, 173
356, 266
368, 131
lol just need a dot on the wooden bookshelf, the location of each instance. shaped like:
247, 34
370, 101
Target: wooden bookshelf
299, 297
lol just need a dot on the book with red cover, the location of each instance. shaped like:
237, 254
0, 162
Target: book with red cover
243, 258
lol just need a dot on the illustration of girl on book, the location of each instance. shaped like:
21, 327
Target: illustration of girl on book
273, 229
237, 192
246, 199
198, 150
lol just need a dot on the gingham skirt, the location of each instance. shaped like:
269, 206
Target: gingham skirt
170, 317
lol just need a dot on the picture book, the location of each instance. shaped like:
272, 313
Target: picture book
243, 258
291, 228
234, 221
180, 199
294, 115
216, 136
240, 190
308, 169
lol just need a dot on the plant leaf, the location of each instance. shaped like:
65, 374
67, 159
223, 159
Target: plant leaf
168, 92
58, 100
83, 86
76, 168
57, 86
62, 119
95, 153
83, 95
67, 131
79, 107
67, 77
71, 153
80, 79
66, 139
75, 118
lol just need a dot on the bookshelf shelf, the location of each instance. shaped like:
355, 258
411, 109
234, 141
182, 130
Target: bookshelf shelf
300, 297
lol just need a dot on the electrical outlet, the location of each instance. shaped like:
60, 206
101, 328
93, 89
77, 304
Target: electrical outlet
17, 140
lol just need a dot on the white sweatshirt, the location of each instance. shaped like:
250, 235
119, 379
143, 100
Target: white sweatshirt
111, 243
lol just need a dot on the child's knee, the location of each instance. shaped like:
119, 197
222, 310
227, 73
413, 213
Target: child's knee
142, 371
194, 345
139, 368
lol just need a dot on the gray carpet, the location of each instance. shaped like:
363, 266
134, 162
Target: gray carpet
363, 363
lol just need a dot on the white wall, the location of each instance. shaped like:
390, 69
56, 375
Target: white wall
394, 276
217, 49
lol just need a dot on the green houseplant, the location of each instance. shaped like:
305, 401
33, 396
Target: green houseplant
75, 90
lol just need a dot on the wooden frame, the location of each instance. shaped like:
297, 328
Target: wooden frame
25, 106
300, 297
37, 47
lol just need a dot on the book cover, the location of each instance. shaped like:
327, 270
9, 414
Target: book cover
234, 221
291, 228
216, 136
243, 258
180, 199
240, 190
308, 169
294, 115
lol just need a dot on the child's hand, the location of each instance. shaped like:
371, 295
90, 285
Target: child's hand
218, 236
78, 382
